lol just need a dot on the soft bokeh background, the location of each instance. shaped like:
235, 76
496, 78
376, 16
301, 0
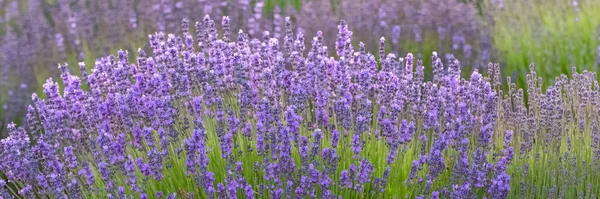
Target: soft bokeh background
36, 35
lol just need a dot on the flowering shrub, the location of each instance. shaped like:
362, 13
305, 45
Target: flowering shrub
210, 116
36, 34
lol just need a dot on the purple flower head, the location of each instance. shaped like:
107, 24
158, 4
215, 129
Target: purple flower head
70, 157
460, 191
172, 196
500, 186
249, 192
435, 195
227, 145
345, 180
364, 174
335, 137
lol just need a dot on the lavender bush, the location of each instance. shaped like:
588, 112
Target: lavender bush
37, 34
212, 114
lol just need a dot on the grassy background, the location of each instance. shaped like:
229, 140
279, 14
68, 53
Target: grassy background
554, 35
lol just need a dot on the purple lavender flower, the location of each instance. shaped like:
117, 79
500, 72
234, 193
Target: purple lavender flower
249, 191
435, 195
227, 145
460, 191
27, 191
500, 186
3, 191
172, 196
71, 158
364, 174
106, 174
345, 180
87, 174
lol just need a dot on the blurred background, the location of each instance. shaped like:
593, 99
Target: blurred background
36, 35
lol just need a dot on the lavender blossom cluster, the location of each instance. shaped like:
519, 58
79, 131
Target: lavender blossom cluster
209, 115
36, 34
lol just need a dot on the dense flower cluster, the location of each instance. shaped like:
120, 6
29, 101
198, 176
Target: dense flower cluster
207, 115
36, 34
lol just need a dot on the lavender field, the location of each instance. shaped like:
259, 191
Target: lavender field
299, 99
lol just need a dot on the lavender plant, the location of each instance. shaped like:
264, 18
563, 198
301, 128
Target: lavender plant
212, 114
36, 34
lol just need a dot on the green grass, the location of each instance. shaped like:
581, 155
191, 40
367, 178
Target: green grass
550, 34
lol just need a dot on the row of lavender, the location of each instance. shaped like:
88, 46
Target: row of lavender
216, 116
37, 34
73, 24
